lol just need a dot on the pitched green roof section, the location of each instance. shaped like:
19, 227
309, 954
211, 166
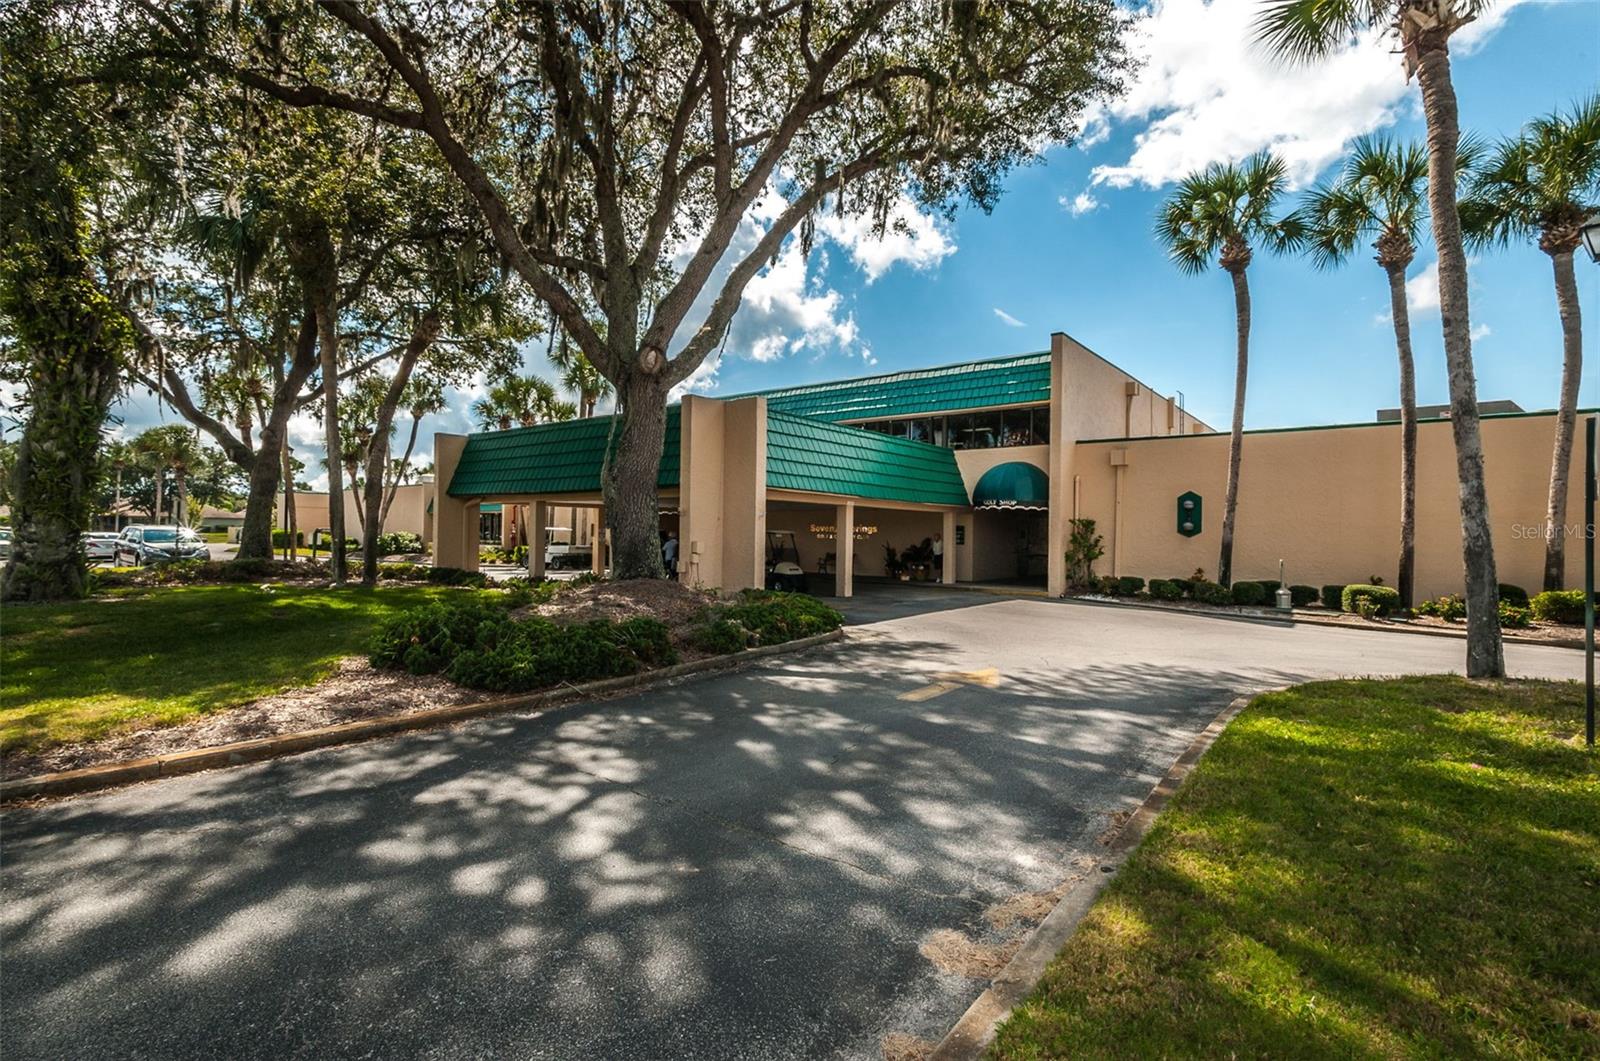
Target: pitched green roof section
819, 457
562, 458
1019, 380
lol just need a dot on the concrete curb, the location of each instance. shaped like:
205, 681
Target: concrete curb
112, 775
1300, 618
973, 1033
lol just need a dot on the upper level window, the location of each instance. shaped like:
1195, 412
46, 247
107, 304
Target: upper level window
984, 430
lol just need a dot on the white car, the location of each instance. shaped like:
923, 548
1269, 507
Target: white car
5, 544
140, 545
100, 546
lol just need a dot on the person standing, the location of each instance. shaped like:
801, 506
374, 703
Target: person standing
669, 554
938, 555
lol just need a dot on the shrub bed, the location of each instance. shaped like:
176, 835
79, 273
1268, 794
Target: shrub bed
766, 617
1165, 589
1211, 593
1559, 606
1514, 595
1333, 597
1249, 594
202, 572
392, 542
1379, 600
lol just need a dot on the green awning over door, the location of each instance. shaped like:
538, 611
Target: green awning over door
1015, 484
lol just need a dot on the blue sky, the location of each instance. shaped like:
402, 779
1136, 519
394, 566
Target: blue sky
1070, 245
1322, 347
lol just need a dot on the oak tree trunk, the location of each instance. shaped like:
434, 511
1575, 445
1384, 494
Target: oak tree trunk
422, 337
632, 469
1485, 653
1555, 538
328, 348
1230, 503
1406, 583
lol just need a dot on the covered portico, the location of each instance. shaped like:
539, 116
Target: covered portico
730, 472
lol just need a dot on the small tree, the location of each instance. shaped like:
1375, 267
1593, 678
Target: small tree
1543, 185
1084, 547
1220, 214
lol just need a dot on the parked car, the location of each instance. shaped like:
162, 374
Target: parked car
141, 545
5, 544
100, 546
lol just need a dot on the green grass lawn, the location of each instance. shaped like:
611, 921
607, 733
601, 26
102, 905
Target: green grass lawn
71, 672
1355, 869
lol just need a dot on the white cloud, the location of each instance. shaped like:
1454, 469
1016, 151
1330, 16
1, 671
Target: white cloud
1207, 92
1422, 290
1080, 204
910, 236
702, 380
788, 309
1007, 318
1481, 331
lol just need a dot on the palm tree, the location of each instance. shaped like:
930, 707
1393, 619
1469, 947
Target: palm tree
1219, 214
1542, 185
579, 376
1381, 195
1309, 29
524, 400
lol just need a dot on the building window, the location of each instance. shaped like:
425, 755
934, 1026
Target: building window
986, 430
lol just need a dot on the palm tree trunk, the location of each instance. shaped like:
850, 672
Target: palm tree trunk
161, 476
180, 509
1406, 583
1485, 652
1555, 521
1230, 504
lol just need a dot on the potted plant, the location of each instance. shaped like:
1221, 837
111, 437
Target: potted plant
894, 565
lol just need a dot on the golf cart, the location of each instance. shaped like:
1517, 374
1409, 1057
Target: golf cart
783, 563
565, 554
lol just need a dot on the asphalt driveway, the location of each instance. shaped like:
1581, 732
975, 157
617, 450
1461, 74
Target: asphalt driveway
738, 867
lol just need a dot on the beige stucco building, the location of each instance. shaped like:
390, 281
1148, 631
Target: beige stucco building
993, 459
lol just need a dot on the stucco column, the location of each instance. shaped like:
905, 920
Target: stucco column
597, 559
948, 574
844, 549
744, 494
538, 521
1060, 468
455, 521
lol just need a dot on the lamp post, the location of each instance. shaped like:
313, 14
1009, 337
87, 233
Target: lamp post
1591, 237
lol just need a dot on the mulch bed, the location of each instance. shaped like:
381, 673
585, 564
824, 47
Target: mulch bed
672, 602
354, 691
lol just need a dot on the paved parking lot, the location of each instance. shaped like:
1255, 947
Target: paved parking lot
739, 867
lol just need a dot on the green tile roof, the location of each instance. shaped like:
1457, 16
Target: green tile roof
563, 458
802, 454
1017, 380
813, 455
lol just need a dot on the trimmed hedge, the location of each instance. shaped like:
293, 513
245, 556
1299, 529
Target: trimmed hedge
1211, 593
1249, 594
1271, 585
1380, 599
1559, 606
391, 542
1185, 585
1333, 597
771, 617
1165, 589
1514, 595
1129, 585
1301, 596
280, 539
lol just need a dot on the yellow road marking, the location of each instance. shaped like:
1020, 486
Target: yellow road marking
989, 677
928, 692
